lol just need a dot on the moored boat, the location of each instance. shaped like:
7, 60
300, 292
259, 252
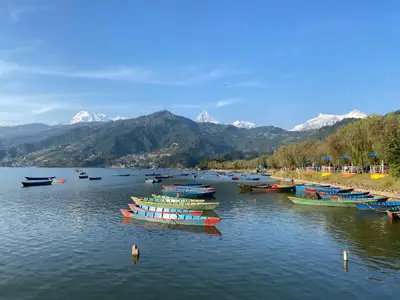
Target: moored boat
36, 183
274, 188
152, 174
185, 193
163, 197
83, 176
165, 210
181, 219
127, 174
377, 205
152, 180
94, 178
168, 200
180, 204
191, 185
40, 178
163, 176
325, 202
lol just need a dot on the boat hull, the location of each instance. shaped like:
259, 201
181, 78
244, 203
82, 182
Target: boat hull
94, 178
181, 205
158, 198
377, 205
171, 218
83, 177
36, 183
321, 202
188, 194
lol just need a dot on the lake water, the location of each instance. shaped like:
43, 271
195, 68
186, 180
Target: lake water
69, 241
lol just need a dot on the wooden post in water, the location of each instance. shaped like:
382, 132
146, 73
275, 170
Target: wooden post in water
346, 266
345, 255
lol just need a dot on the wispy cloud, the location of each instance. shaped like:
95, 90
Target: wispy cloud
16, 11
226, 102
129, 74
253, 84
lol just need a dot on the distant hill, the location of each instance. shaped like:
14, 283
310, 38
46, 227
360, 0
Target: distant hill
174, 140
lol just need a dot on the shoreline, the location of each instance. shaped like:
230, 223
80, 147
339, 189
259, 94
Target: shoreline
341, 185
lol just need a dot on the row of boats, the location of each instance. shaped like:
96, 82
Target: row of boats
175, 209
326, 195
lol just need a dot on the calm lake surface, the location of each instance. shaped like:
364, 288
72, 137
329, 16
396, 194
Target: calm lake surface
70, 241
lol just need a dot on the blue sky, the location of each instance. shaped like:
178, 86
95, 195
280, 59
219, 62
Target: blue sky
270, 62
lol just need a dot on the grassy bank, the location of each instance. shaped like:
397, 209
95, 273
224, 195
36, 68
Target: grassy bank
385, 186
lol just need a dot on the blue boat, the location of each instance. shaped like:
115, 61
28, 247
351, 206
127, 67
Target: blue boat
191, 185
377, 205
188, 193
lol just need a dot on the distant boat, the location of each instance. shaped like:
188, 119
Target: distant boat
152, 180
40, 178
36, 183
121, 174
152, 174
94, 178
82, 173
83, 176
192, 185
163, 176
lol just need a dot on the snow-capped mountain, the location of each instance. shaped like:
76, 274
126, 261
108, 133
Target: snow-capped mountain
244, 124
204, 117
324, 120
85, 116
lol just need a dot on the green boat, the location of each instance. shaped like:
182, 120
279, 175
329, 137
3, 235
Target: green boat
181, 204
324, 202
174, 199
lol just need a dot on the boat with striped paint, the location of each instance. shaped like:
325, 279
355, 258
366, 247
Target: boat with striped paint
179, 204
165, 210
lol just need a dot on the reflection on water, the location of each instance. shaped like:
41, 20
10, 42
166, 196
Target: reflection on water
191, 229
71, 241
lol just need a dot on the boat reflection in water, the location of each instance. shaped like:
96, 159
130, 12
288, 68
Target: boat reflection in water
190, 229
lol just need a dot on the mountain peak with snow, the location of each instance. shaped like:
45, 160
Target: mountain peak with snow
205, 117
85, 116
327, 119
244, 124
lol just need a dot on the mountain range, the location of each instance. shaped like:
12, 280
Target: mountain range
162, 139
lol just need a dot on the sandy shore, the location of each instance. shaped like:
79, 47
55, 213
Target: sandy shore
391, 195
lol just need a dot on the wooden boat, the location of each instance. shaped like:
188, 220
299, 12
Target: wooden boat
348, 194
168, 200
180, 219
163, 197
378, 176
184, 174
40, 178
377, 205
330, 190
152, 174
274, 188
127, 174
254, 178
322, 202
163, 176
94, 178
247, 187
192, 185
187, 188
152, 180
326, 174
83, 176
185, 193
36, 183
82, 173
394, 213
59, 181
165, 210
181, 204
348, 175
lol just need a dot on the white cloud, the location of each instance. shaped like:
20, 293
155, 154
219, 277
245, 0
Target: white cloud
17, 11
225, 102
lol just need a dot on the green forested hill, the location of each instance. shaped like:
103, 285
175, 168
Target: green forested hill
181, 140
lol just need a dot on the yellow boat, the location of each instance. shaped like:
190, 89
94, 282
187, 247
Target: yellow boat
378, 176
324, 174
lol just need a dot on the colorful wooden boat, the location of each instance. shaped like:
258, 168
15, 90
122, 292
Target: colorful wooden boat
181, 204
329, 190
274, 188
377, 205
83, 176
187, 188
180, 219
168, 200
40, 178
94, 178
323, 202
36, 183
165, 210
174, 199
186, 193
394, 213
326, 174
349, 194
